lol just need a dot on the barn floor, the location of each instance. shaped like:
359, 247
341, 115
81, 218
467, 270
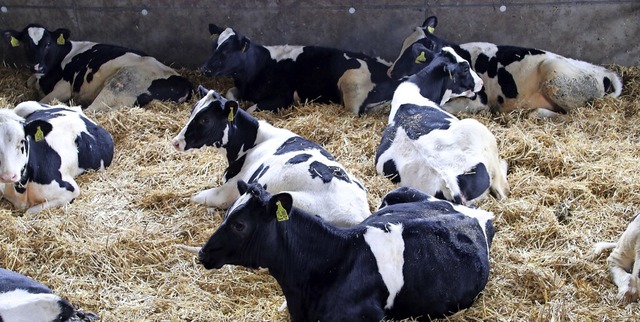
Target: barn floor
113, 251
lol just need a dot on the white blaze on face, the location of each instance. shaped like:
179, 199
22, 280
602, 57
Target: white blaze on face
388, 249
179, 141
36, 34
13, 154
226, 34
20, 305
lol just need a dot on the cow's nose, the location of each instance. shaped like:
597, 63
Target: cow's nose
176, 144
205, 70
9, 177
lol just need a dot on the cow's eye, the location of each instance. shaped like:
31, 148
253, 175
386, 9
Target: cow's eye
204, 120
238, 226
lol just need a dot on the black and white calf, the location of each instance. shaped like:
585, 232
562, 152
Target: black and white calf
43, 148
23, 299
427, 148
514, 77
624, 262
275, 157
417, 256
275, 77
96, 76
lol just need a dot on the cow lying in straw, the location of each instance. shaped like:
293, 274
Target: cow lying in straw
514, 77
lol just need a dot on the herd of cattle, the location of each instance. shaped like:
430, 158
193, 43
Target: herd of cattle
424, 253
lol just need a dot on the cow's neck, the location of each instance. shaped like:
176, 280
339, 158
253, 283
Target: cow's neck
242, 136
307, 251
257, 57
432, 82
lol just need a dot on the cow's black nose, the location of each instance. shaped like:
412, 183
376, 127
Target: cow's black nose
205, 70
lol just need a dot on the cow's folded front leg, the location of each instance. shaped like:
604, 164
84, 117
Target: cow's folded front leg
220, 197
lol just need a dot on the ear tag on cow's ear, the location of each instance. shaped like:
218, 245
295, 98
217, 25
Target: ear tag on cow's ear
213, 36
230, 116
450, 74
431, 29
39, 135
15, 42
421, 58
60, 39
244, 48
281, 213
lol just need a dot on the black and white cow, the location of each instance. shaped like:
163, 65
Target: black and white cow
275, 77
427, 148
96, 76
275, 157
624, 262
514, 77
417, 256
23, 299
43, 148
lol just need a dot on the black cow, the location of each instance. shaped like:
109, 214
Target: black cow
275, 77
96, 76
43, 149
424, 258
514, 77
427, 148
23, 299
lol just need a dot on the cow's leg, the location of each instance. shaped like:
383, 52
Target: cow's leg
53, 196
620, 264
61, 92
220, 197
499, 184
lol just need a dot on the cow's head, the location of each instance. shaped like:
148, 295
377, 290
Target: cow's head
45, 48
15, 136
447, 75
209, 124
424, 35
228, 51
246, 228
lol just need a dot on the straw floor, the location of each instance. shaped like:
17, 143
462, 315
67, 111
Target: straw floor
113, 251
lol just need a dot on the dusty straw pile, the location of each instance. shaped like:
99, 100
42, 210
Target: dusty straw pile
113, 251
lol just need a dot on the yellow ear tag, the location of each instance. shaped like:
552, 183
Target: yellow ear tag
230, 116
60, 40
15, 42
213, 36
431, 29
421, 58
39, 135
281, 213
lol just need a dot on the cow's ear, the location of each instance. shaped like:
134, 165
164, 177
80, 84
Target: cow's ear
280, 206
215, 30
13, 37
202, 90
450, 68
430, 24
61, 35
231, 108
421, 53
37, 129
242, 187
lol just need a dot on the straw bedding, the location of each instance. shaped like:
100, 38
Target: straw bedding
113, 251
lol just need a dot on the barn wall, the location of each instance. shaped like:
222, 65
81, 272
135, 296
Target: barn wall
176, 32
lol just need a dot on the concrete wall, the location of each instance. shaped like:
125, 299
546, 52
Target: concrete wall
176, 31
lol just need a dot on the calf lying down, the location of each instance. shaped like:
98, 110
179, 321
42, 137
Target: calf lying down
96, 76
23, 299
44, 148
274, 157
514, 77
427, 148
275, 77
417, 256
624, 262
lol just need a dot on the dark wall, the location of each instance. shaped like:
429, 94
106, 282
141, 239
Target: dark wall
176, 32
